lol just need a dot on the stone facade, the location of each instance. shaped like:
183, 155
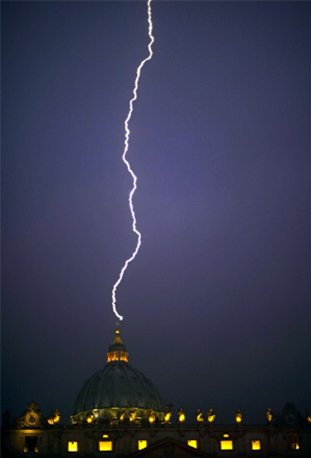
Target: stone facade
119, 413
288, 435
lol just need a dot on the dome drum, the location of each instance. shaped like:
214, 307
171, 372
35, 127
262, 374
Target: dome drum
118, 415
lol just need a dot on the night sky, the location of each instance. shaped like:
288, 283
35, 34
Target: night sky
216, 305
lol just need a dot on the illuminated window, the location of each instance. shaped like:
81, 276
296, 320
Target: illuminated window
142, 443
105, 446
72, 446
226, 443
192, 443
256, 444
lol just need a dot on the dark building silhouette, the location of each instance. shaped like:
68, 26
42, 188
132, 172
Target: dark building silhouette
119, 413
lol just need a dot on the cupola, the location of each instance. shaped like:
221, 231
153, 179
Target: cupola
117, 350
118, 392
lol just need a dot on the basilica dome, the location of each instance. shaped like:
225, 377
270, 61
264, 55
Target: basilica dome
118, 392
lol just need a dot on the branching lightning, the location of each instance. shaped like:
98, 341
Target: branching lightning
127, 133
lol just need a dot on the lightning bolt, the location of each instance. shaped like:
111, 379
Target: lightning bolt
127, 133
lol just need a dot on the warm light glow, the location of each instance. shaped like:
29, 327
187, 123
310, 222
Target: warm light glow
132, 415
309, 418
117, 356
256, 444
269, 415
152, 417
72, 446
141, 444
90, 418
105, 446
181, 416
238, 416
226, 444
192, 443
200, 416
211, 416
54, 418
294, 446
35, 450
167, 417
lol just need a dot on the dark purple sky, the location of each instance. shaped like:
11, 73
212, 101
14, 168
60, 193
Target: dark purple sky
216, 305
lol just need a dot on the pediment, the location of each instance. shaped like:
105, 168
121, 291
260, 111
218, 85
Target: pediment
169, 448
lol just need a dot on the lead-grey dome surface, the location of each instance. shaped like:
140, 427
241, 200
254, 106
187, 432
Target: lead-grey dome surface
118, 385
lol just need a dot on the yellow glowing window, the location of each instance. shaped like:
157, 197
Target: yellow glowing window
192, 443
142, 443
72, 446
105, 446
226, 444
256, 444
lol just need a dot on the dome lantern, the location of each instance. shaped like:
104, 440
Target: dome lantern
117, 350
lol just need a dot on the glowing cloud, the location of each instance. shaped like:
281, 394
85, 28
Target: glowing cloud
127, 133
